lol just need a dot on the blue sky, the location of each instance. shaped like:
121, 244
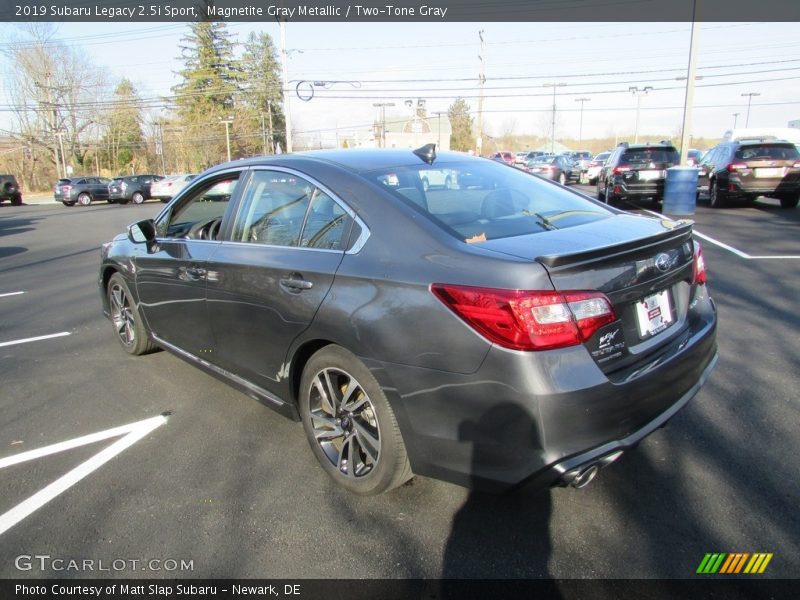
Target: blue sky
599, 61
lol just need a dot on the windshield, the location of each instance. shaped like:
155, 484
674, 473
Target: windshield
650, 155
483, 200
767, 152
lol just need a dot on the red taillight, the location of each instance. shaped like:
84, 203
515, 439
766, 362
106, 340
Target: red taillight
699, 275
731, 168
621, 169
65, 189
528, 320
796, 165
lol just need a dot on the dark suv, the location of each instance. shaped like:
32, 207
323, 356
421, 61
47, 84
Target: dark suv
135, 188
83, 190
9, 190
636, 171
747, 169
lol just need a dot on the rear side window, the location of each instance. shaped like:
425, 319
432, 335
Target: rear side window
767, 152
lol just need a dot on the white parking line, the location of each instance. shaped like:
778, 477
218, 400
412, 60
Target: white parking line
34, 339
135, 432
11, 294
723, 245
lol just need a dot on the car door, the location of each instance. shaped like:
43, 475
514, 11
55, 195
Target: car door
171, 281
271, 274
704, 169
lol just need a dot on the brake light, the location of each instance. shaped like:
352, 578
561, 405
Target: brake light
65, 189
123, 186
796, 165
733, 167
528, 320
621, 169
699, 275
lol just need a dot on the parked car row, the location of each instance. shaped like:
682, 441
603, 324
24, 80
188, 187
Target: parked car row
121, 190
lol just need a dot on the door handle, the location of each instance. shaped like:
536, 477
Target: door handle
296, 283
196, 273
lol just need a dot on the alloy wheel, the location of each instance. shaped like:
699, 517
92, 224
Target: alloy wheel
344, 422
122, 315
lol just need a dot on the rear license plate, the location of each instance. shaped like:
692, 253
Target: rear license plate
653, 314
650, 175
775, 172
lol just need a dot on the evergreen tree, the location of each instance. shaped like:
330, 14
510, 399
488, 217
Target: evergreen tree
461, 137
208, 90
262, 98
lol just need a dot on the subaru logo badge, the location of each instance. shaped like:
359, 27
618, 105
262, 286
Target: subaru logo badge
663, 262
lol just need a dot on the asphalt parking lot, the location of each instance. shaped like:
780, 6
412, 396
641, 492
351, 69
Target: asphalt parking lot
232, 488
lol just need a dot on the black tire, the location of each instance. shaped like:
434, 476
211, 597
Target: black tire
68, 202
110, 200
790, 201
609, 196
600, 194
16, 199
9, 189
562, 178
362, 422
122, 201
126, 319
84, 199
716, 197
165, 200
137, 197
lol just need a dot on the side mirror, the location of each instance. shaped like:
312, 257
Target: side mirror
144, 232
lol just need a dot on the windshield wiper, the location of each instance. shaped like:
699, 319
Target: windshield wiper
542, 221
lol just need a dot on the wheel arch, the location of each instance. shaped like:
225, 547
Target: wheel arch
298, 362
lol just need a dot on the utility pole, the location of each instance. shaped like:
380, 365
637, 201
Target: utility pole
264, 133
439, 114
481, 82
59, 135
286, 111
735, 118
580, 127
227, 123
686, 129
271, 135
382, 137
749, 100
639, 93
553, 124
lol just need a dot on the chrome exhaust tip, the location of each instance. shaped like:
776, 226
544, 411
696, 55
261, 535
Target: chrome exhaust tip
581, 478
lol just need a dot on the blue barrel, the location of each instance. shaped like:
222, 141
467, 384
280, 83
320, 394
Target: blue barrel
680, 191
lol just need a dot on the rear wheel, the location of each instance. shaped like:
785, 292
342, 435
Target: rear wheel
716, 197
790, 201
600, 192
84, 199
350, 425
125, 318
16, 199
609, 194
68, 202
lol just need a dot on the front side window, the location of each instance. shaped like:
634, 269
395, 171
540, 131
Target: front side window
199, 215
282, 209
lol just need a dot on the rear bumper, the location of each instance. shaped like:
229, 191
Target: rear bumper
654, 189
531, 417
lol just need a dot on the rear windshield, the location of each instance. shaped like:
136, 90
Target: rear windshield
767, 151
483, 200
648, 155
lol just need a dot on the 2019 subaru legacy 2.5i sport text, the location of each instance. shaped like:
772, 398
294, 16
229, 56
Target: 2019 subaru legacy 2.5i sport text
510, 333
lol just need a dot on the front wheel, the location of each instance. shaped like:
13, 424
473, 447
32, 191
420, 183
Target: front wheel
125, 317
790, 201
137, 197
84, 199
350, 425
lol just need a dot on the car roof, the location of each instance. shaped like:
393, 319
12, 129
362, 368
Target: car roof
357, 160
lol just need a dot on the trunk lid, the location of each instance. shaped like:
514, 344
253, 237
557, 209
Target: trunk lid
643, 265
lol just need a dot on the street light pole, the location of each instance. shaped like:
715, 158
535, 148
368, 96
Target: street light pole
227, 122
638, 93
735, 118
553, 124
580, 127
286, 111
382, 106
749, 100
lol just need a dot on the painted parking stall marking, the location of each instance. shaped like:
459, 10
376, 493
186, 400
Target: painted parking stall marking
132, 432
35, 339
7, 294
725, 246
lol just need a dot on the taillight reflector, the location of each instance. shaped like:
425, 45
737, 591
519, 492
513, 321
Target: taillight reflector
528, 320
699, 275
735, 167
621, 169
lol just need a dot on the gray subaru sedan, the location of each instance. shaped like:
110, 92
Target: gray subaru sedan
499, 331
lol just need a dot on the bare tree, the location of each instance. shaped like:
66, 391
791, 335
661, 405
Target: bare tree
55, 93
